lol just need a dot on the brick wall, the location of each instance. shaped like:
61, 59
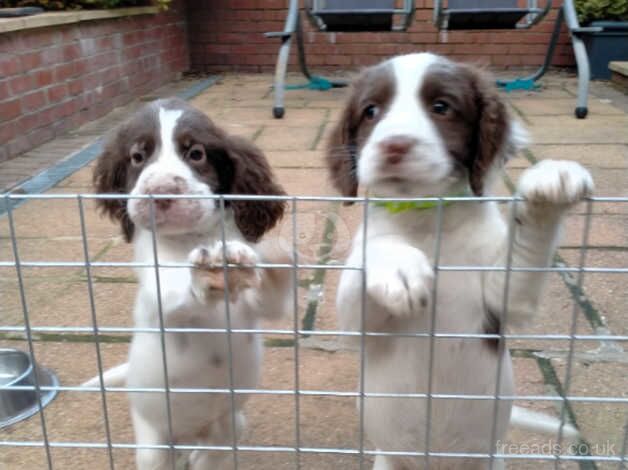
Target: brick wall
228, 35
56, 78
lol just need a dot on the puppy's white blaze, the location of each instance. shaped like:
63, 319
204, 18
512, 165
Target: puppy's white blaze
168, 157
406, 115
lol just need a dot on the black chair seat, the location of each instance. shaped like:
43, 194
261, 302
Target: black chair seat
478, 18
347, 22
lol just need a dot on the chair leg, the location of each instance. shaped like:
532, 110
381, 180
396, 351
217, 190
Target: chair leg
549, 54
584, 76
279, 89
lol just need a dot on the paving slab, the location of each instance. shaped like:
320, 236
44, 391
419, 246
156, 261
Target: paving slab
298, 138
296, 159
602, 424
606, 156
567, 130
563, 107
607, 290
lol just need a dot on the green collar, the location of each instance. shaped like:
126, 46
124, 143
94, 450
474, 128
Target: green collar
395, 207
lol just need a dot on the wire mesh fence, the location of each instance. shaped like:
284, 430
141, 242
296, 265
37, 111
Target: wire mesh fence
298, 335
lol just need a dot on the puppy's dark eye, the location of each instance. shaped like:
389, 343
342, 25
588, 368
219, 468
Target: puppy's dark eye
196, 154
371, 111
440, 107
138, 157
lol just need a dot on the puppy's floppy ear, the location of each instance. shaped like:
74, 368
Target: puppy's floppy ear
341, 154
497, 136
110, 177
252, 175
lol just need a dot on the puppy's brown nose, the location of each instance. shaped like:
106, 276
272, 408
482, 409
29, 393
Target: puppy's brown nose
163, 204
169, 187
395, 147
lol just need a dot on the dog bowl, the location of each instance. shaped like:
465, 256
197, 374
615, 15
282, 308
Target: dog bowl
17, 370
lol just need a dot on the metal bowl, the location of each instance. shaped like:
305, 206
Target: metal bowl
17, 370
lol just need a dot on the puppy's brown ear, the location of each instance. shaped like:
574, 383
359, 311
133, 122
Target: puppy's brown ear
110, 177
253, 176
492, 129
341, 155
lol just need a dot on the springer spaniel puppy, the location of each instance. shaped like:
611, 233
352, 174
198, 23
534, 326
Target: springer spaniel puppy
169, 147
420, 125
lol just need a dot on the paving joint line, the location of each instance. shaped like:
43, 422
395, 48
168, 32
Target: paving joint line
551, 380
315, 287
520, 113
321, 130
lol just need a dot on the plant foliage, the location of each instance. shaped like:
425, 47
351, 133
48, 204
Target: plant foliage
81, 4
595, 10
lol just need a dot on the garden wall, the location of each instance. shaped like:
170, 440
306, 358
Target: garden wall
228, 35
60, 70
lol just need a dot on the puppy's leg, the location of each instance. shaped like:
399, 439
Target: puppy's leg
219, 434
274, 297
550, 187
498, 464
382, 463
145, 434
398, 284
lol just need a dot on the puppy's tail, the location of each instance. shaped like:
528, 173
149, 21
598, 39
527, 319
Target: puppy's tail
534, 421
114, 377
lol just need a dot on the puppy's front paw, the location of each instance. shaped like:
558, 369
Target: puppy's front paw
401, 283
208, 275
559, 183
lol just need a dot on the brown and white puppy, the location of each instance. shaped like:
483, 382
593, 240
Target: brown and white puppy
420, 125
171, 148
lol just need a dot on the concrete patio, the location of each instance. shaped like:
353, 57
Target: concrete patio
49, 230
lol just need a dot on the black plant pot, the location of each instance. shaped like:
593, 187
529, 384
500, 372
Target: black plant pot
20, 11
606, 46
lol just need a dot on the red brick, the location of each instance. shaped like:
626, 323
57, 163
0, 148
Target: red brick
79, 67
28, 122
43, 78
9, 43
71, 52
4, 90
62, 110
502, 60
104, 43
21, 84
7, 130
75, 86
57, 93
532, 59
69, 34
45, 117
111, 74
37, 39
63, 72
31, 60
33, 101
10, 109
10, 65
52, 55
338, 60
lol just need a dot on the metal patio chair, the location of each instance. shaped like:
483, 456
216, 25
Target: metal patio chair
506, 14
488, 14
332, 16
